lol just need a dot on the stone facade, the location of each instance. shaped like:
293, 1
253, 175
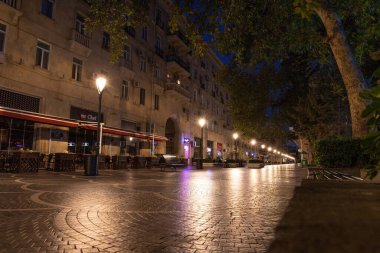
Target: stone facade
158, 86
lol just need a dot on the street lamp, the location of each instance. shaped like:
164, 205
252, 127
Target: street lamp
253, 143
201, 123
235, 136
101, 83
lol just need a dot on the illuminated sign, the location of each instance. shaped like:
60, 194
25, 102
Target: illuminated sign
186, 140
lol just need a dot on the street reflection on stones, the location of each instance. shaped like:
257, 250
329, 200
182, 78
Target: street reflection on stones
212, 210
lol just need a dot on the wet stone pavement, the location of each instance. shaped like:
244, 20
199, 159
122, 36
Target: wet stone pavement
213, 210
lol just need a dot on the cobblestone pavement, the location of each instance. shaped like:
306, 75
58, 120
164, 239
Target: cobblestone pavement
213, 210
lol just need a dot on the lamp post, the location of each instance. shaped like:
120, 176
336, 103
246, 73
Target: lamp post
101, 83
201, 123
253, 143
235, 136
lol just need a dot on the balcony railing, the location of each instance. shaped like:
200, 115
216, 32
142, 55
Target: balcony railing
131, 31
179, 89
160, 53
81, 39
12, 3
179, 61
160, 23
181, 36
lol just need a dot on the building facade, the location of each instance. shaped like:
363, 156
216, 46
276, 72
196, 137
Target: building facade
48, 64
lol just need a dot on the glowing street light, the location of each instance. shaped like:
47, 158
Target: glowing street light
101, 83
253, 142
263, 146
201, 123
235, 136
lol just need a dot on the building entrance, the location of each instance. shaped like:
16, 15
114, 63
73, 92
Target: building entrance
171, 134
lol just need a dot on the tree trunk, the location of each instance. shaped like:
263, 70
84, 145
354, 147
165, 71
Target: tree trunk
351, 74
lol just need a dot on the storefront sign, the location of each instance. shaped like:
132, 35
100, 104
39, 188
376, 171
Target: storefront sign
83, 114
186, 140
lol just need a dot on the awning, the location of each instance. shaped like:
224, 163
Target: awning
122, 132
37, 117
59, 121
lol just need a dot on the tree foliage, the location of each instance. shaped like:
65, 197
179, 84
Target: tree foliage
372, 113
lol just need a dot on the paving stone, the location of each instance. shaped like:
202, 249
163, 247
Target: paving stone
213, 210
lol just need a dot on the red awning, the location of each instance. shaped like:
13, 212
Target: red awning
58, 121
37, 117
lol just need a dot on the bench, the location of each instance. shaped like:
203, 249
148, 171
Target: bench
170, 161
326, 174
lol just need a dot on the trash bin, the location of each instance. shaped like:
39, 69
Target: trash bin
90, 165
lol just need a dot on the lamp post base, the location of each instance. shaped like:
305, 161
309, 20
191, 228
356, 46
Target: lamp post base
199, 164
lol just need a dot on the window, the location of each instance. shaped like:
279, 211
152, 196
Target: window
124, 90
2, 37
158, 16
47, 8
106, 41
156, 102
77, 69
157, 72
79, 24
42, 55
142, 96
142, 65
195, 96
158, 43
127, 54
144, 33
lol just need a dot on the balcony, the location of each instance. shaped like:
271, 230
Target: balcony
179, 40
80, 43
177, 65
159, 83
160, 53
175, 90
10, 10
160, 24
12, 3
130, 31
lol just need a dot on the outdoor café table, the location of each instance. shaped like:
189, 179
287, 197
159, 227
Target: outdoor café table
24, 161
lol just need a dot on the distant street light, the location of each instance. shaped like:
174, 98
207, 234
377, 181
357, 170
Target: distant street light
235, 136
253, 143
201, 123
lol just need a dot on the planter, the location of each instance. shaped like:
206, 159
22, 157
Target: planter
255, 165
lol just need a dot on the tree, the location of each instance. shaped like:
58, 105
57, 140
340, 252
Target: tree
266, 30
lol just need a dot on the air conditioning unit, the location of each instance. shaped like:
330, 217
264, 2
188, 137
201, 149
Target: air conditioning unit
135, 83
2, 58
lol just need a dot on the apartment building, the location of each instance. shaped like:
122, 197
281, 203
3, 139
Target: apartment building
152, 102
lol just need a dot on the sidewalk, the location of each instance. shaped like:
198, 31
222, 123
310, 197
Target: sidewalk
330, 216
